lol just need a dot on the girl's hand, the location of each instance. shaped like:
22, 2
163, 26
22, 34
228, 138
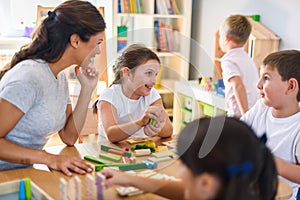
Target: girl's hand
69, 164
153, 112
157, 114
87, 76
151, 130
114, 177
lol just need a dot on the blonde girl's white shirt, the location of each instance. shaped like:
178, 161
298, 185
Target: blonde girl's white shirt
236, 62
127, 109
283, 134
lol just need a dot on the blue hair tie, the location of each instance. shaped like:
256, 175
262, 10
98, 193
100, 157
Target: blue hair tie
244, 168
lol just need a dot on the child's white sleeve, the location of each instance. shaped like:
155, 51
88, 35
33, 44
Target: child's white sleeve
297, 149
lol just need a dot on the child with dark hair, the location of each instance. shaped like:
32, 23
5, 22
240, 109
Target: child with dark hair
277, 112
221, 159
126, 107
34, 94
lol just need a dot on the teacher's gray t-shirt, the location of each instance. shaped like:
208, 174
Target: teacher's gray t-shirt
42, 97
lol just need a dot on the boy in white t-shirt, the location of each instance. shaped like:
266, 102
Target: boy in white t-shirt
239, 71
277, 112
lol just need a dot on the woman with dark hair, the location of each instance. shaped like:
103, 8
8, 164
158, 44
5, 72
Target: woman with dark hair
34, 94
221, 158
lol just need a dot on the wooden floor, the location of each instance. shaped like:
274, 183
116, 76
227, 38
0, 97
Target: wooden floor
88, 133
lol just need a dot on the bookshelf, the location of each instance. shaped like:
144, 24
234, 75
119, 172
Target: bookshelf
171, 43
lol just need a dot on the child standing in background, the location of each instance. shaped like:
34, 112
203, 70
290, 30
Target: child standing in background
126, 107
277, 112
239, 71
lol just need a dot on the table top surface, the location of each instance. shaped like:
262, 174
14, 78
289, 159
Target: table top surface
49, 180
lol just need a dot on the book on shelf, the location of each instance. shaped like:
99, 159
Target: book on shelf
166, 7
175, 7
130, 6
177, 36
162, 36
133, 6
166, 40
156, 33
169, 7
169, 36
139, 5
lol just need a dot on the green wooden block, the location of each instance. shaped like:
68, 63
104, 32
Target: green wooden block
99, 167
133, 166
104, 147
96, 160
153, 122
122, 166
27, 188
111, 156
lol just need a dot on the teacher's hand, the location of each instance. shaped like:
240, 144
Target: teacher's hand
69, 164
87, 76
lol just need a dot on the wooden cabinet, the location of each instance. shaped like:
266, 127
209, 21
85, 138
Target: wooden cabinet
191, 102
262, 42
141, 19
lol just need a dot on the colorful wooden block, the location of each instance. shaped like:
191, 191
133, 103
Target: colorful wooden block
159, 159
142, 152
63, 188
133, 166
100, 189
150, 164
163, 154
27, 188
96, 160
124, 167
90, 187
78, 188
107, 147
111, 156
22, 193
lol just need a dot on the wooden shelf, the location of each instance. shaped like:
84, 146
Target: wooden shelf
191, 102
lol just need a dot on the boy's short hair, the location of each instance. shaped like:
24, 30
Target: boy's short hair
287, 63
237, 28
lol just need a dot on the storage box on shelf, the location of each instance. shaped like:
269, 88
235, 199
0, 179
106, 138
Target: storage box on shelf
262, 42
165, 27
191, 102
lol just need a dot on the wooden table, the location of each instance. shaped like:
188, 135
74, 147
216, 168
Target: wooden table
93, 148
49, 180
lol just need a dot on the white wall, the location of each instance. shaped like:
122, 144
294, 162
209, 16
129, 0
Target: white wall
282, 17
15, 12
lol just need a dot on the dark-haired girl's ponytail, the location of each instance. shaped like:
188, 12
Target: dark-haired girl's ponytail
268, 174
238, 187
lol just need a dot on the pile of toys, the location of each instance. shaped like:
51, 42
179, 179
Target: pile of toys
207, 84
